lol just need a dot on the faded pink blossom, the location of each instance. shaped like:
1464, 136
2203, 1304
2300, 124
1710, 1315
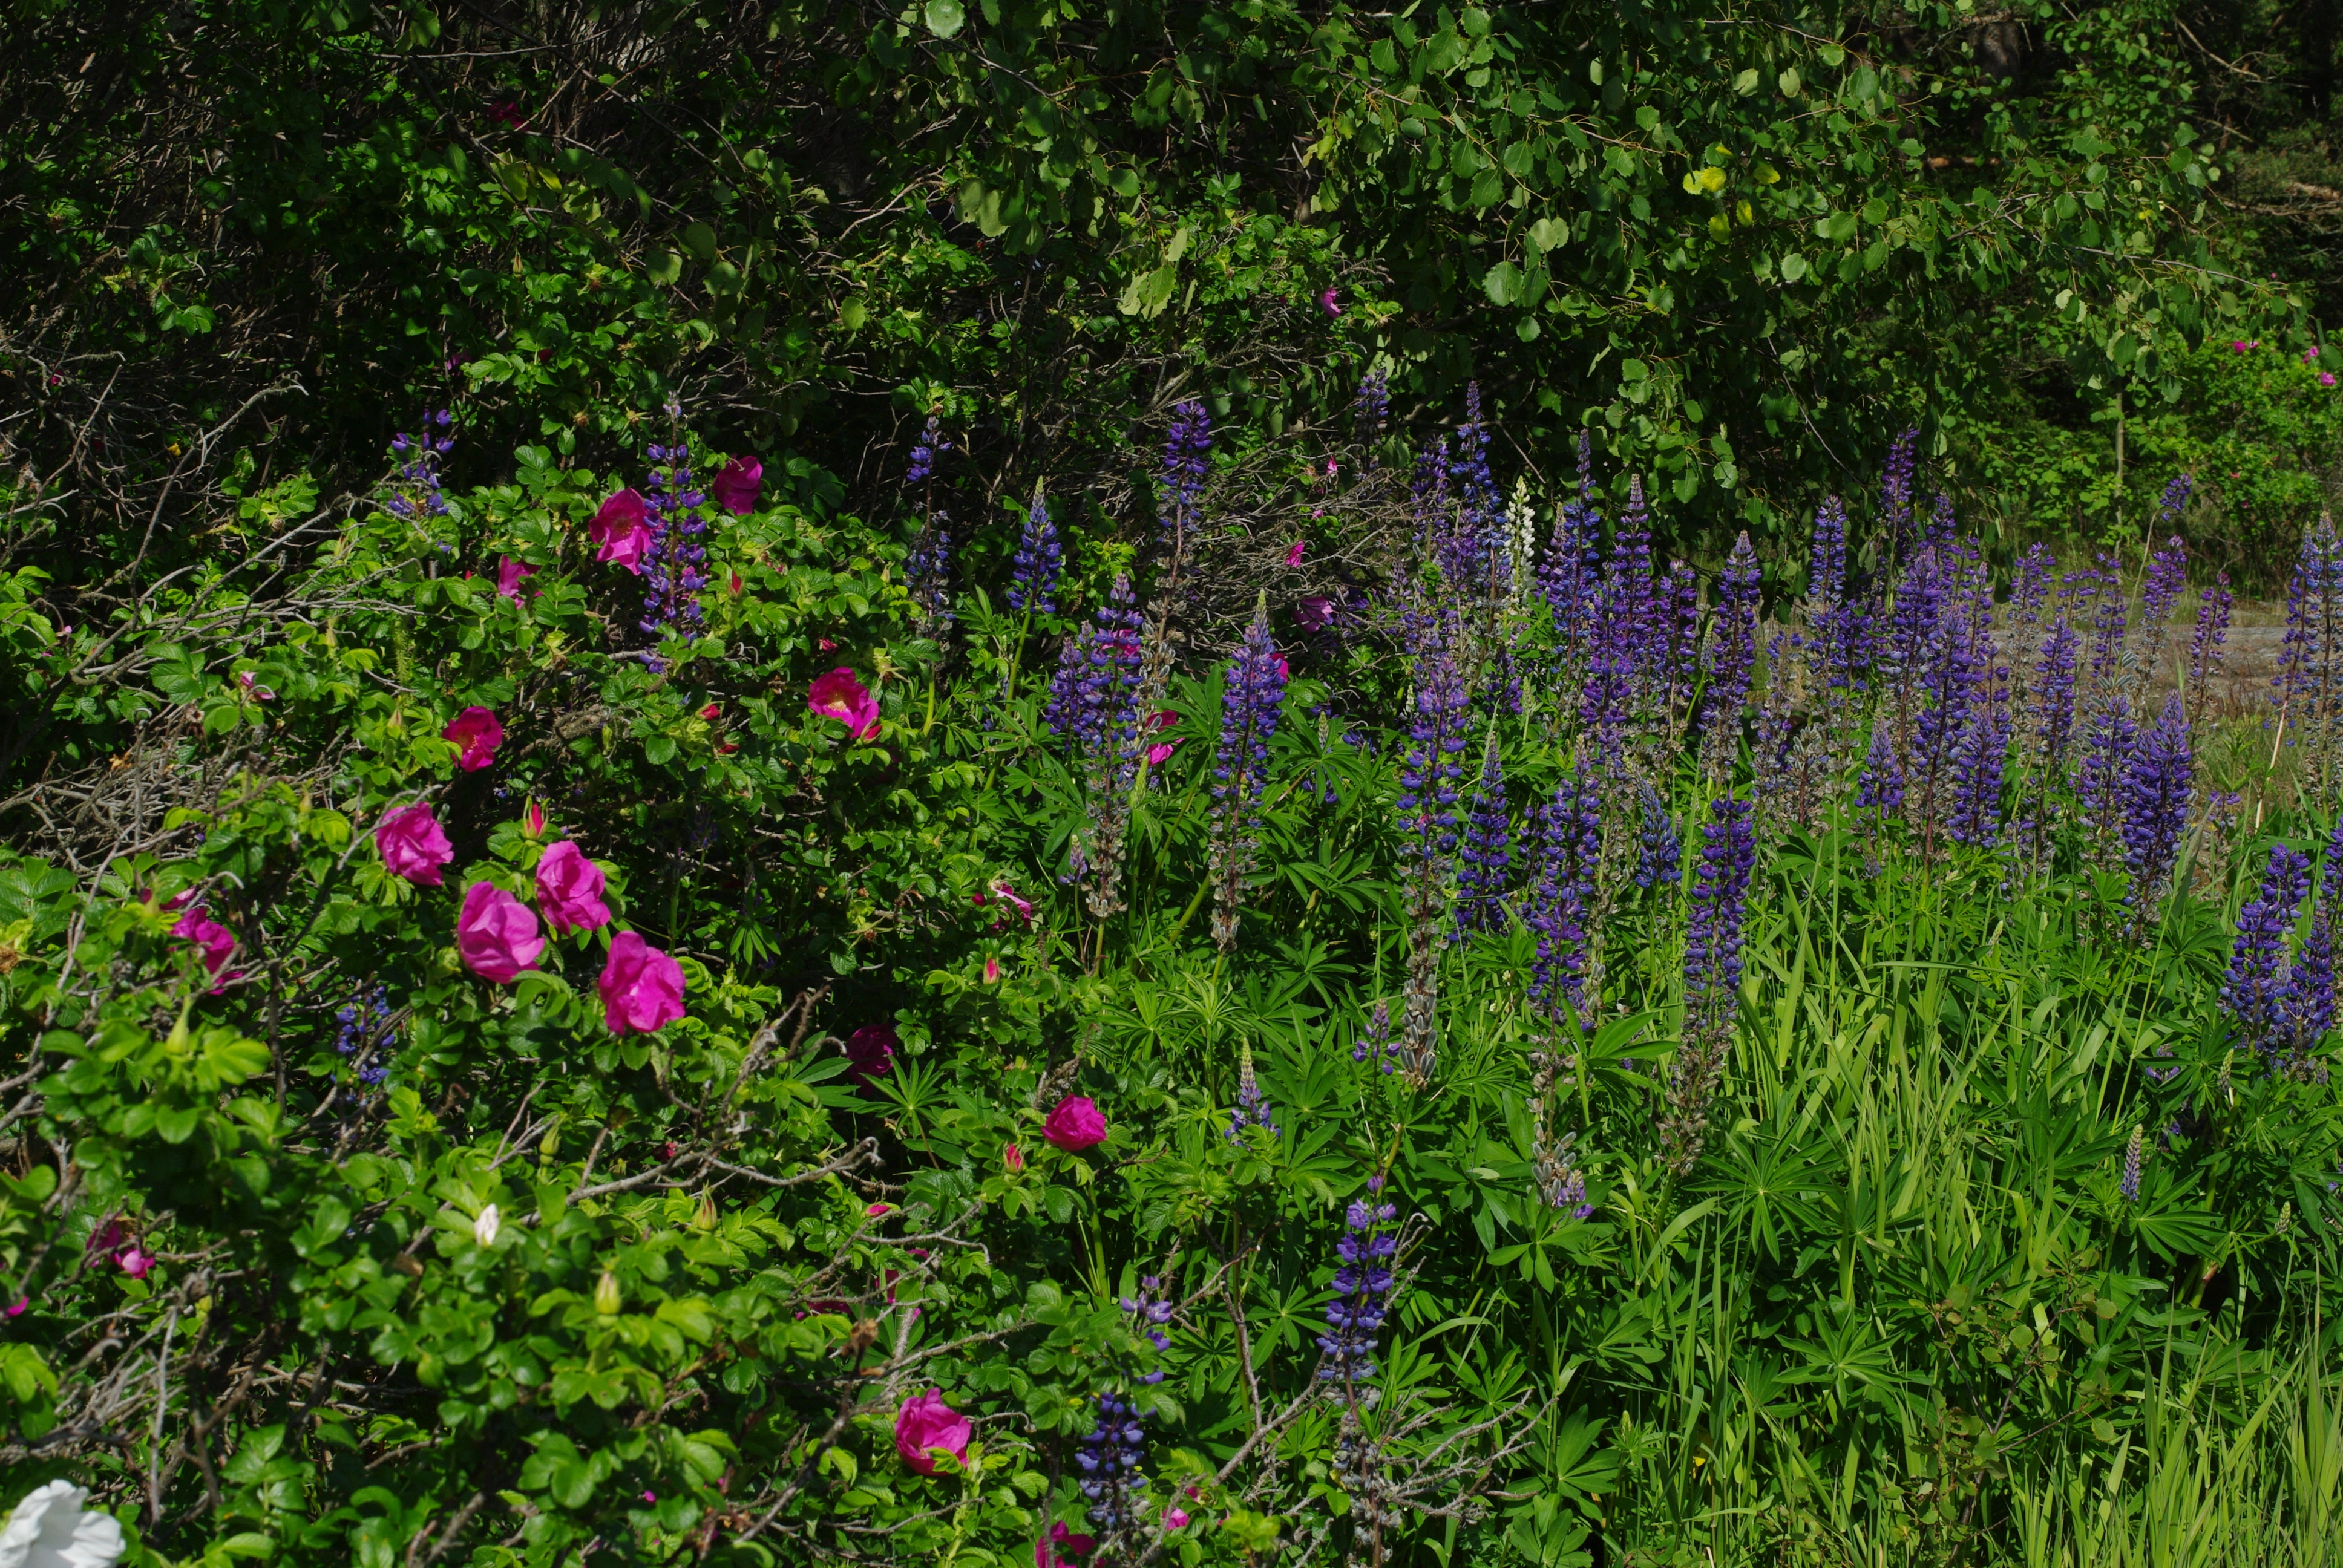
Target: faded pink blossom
840, 695
736, 485
1314, 613
495, 934
1024, 910
871, 1051
1326, 302
618, 528
244, 678
1161, 752
412, 845
509, 575
134, 1262
1061, 1548
569, 891
642, 988
1075, 1124
476, 734
2326, 378
2310, 354
1293, 554
217, 941
927, 1423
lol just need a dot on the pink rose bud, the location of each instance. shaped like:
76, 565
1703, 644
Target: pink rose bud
509, 575
992, 969
17, 1308
495, 934
874, 1211
736, 485
828, 645
532, 821
412, 845
736, 585
245, 678
925, 1425
618, 528
642, 988
1012, 1159
840, 695
569, 891
1076, 1124
710, 711
476, 734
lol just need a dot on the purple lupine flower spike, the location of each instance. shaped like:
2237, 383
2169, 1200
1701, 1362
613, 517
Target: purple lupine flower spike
2132, 1152
2175, 499
1659, 860
1363, 1290
1427, 811
1880, 786
2254, 992
1109, 1460
2157, 790
1733, 653
1484, 864
2212, 630
1250, 700
931, 446
1033, 575
1187, 463
1570, 855
1712, 978
1374, 411
1896, 494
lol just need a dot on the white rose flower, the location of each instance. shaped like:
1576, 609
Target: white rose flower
484, 1232
57, 1528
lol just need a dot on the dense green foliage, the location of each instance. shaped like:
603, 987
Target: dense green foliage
1976, 1216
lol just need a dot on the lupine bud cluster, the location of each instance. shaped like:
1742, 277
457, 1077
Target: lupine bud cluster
1486, 858
1034, 580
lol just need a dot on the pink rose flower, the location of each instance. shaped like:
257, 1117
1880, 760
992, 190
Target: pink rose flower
2326, 378
618, 528
1326, 302
1177, 1518
1314, 613
1294, 555
642, 988
736, 485
134, 1262
217, 941
1076, 1124
17, 1308
569, 891
477, 733
412, 845
925, 1423
1024, 910
871, 1051
495, 934
509, 575
1061, 1548
840, 695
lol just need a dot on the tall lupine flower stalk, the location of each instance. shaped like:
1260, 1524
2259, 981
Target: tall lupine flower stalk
927, 569
1251, 696
1427, 808
1983, 753
2310, 666
1880, 786
1732, 658
1363, 1292
1712, 979
1553, 1168
1484, 865
1474, 557
1187, 463
2166, 581
1896, 496
1033, 574
2254, 992
673, 561
1104, 716
1570, 855
2308, 1011
1676, 643
1659, 860
2205, 644
415, 483
1372, 412
1913, 626
2156, 788
2050, 734
1627, 613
